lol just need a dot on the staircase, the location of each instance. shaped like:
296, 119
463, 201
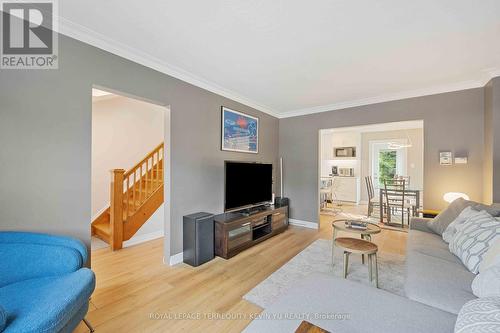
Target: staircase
135, 195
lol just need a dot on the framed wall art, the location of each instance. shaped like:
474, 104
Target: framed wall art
240, 132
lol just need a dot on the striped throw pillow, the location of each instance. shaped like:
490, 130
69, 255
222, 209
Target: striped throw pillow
473, 239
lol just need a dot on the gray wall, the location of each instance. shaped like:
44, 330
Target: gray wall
492, 141
452, 121
45, 131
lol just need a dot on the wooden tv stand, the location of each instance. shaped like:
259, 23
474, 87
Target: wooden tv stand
235, 232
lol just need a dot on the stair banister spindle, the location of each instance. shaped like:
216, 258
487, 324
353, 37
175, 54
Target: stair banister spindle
134, 189
128, 196
147, 177
140, 184
116, 208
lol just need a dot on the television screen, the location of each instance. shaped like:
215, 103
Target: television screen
247, 184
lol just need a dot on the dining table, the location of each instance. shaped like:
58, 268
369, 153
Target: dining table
408, 192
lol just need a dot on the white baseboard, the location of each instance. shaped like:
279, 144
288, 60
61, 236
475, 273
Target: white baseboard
176, 259
143, 238
304, 224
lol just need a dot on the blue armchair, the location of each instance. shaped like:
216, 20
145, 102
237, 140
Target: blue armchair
43, 285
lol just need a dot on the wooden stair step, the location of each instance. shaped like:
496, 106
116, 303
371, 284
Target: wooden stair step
102, 230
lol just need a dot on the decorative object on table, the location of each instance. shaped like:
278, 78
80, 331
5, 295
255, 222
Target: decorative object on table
452, 196
240, 132
445, 158
354, 224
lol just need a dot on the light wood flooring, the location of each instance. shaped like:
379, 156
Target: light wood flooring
136, 292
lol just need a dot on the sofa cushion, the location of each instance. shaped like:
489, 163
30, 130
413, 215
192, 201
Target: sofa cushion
474, 238
440, 222
44, 239
3, 318
430, 244
19, 261
487, 283
352, 307
481, 315
46, 304
437, 282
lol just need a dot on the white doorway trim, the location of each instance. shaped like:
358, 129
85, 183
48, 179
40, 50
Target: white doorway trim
167, 181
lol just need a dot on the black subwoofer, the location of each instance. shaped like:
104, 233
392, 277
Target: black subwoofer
198, 237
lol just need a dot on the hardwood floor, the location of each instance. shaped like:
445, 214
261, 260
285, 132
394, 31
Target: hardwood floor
136, 292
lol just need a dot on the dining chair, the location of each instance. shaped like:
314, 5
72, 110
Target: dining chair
395, 200
373, 202
325, 191
405, 178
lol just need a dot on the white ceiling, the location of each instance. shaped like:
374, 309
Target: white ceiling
291, 57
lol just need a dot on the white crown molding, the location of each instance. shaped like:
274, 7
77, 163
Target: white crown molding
88, 36
81, 33
485, 77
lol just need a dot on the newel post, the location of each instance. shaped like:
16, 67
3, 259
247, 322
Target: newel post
116, 209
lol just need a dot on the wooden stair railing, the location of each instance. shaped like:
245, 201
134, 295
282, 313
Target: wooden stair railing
135, 196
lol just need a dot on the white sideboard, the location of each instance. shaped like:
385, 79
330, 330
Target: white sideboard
347, 189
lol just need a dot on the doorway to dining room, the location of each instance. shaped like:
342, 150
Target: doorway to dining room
358, 164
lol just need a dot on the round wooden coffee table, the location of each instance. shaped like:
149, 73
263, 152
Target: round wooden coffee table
359, 246
339, 225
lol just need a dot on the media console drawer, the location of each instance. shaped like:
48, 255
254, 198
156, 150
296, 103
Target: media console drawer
235, 232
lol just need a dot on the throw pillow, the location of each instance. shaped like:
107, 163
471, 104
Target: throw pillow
491, 257
3, 319
487, 283
493, 210
480, 315
451, 229
473, 239
439, 223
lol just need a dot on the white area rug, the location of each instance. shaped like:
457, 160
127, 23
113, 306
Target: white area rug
316, 258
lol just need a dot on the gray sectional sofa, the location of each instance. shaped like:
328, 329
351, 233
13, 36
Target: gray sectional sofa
435, 276
437, 286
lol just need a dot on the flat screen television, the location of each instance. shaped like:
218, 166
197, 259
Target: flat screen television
247, 185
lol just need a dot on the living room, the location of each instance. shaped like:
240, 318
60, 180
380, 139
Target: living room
252, 84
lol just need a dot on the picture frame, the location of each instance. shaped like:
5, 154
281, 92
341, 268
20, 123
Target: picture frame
239, 131
445, 158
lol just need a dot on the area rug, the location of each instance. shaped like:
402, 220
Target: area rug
316, 258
